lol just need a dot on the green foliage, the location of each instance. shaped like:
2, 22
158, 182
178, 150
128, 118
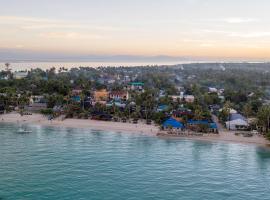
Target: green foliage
48, 111
268, 135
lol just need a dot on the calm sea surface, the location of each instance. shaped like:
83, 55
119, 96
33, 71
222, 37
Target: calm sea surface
59, 163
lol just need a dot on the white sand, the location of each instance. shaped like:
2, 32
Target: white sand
38, 119
140, 128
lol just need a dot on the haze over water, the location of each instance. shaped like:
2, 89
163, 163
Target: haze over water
59, 163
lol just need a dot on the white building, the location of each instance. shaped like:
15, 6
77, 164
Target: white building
237, 124
20, 74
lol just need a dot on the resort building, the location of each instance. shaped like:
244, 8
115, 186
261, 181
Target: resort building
172, 123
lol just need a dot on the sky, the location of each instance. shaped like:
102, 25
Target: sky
178, 28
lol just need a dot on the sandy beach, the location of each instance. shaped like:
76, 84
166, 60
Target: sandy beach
39, 119
224, 136
140, 128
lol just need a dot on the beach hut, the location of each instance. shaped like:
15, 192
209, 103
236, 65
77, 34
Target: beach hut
173, 124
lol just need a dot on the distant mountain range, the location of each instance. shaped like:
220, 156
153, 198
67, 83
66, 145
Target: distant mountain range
11, 55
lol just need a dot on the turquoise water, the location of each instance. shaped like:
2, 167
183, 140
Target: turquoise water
58, 163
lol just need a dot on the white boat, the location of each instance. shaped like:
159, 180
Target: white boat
21, 130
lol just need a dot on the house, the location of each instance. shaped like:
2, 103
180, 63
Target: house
172, 123
20, 74
119, 95
101, 95
189, 98
138, 86
237, 122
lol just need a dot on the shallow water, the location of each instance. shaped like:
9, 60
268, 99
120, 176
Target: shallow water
61, 163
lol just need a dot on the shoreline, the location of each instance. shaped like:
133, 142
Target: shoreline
140, 128
217, 139
38, 119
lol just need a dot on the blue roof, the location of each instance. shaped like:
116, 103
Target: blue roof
137, 83
235, 116
191, 121
213, 125
76, 98
171, 122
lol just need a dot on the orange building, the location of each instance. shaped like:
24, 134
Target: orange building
101, 95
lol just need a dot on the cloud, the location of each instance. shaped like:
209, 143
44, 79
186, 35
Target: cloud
240, 34
240, 20
235, 20
70, 35
251, 34
30, 23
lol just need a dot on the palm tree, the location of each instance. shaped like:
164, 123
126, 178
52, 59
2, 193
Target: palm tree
264, 118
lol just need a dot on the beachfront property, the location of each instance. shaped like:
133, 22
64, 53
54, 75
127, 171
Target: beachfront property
172, 124
237, 121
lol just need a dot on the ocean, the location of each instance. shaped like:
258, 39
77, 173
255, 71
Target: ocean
63, 163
